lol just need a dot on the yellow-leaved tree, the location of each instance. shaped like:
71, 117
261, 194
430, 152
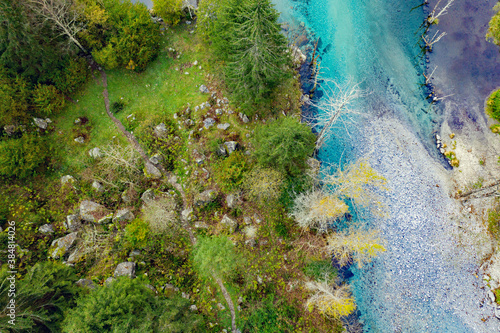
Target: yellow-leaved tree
329, 299
316, 208
355, 245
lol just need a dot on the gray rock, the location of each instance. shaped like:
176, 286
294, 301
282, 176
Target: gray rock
161, 131
109, 281
228, 224
86, 283
151, 171
91, 211
72, 222
97, 186
188, 122
218, 112
76, 255
9, 129
95, 153
243, 117
125, 269
209, 122
128, 196
46, 229
221, 150
67, 180
60, 247
193, 308
200, 160
224, 126
148, 196
304, 98
156, 159
200, 225
250, 242
40, 123
205, 198
187, 214
77, 121
497, 312
256, 218
232, 200
204, 89
80, 140
231, 146
123, 215
492, 296
106, 219
247, 220
150, 287
221, 307
134, 253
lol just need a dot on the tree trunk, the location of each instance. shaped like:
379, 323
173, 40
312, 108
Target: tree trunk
229, 302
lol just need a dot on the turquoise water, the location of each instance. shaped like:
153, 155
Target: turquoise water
422, 283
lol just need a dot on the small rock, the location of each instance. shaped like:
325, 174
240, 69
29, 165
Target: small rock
40, 123
148, 196
95, 153
497, 312
72, 222
77, 121
123, 215
204, 89
97, 186
61, 246
134, 253
209, 122
46, 229
492, 296
221, 150
187, 214
85, 283
205, 197
243, 117
228, 224
156, 159
218, 112
232, 200
200, 160
106, 219
9, 129
193, 308
250, 242
231, 146
224, 126
76, 255
161, 131
67, 180
200, 225
188, 122
92, 211
256, 218
80, 140
150, 171
125, 269
221, 307
247, 220
304, 98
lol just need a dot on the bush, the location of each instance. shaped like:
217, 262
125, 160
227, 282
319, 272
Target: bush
331, 301
161, 216
14, 99
493, 33
42, 296
21, 157
285, 145
47, 100
270, 316
127, 305
263, 184
493, 105
231, 171
136, 233
169, 10
72, 77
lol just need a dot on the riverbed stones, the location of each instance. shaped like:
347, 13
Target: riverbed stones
150, 171
125, 269
124, 214
91, 211
228, 225
60, 247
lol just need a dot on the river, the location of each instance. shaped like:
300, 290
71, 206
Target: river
426, 281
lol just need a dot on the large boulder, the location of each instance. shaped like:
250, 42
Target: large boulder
228, 225
60, 247
205, 198
91, 211
151, 171
123, 215
231, 146
125, 269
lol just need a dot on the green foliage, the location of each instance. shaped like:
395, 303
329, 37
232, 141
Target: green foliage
231, 171
263, 184
493, 33
127, 305
21, 157
42, 296
320, 269
494, 222
136, 233
285, 145
270, 315
72, 76
215, 257
247, 36
14, 99
117, 106
493, 105
47, 100
121, 34
169, 10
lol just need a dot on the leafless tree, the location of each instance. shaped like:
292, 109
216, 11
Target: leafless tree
64, 16
434, 15
433, 40
335, 103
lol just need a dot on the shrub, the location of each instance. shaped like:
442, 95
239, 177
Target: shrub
21, 157
330, 300
47, 100
136, 233
160, 215
285, 145
356, 245
14, 98
126, 305
270, 316
169, 10
72, 77
263, 184
493, 105
231, 171
493, 33
117, 106
42, 296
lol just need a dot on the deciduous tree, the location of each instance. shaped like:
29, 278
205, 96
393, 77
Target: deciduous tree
329, 299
